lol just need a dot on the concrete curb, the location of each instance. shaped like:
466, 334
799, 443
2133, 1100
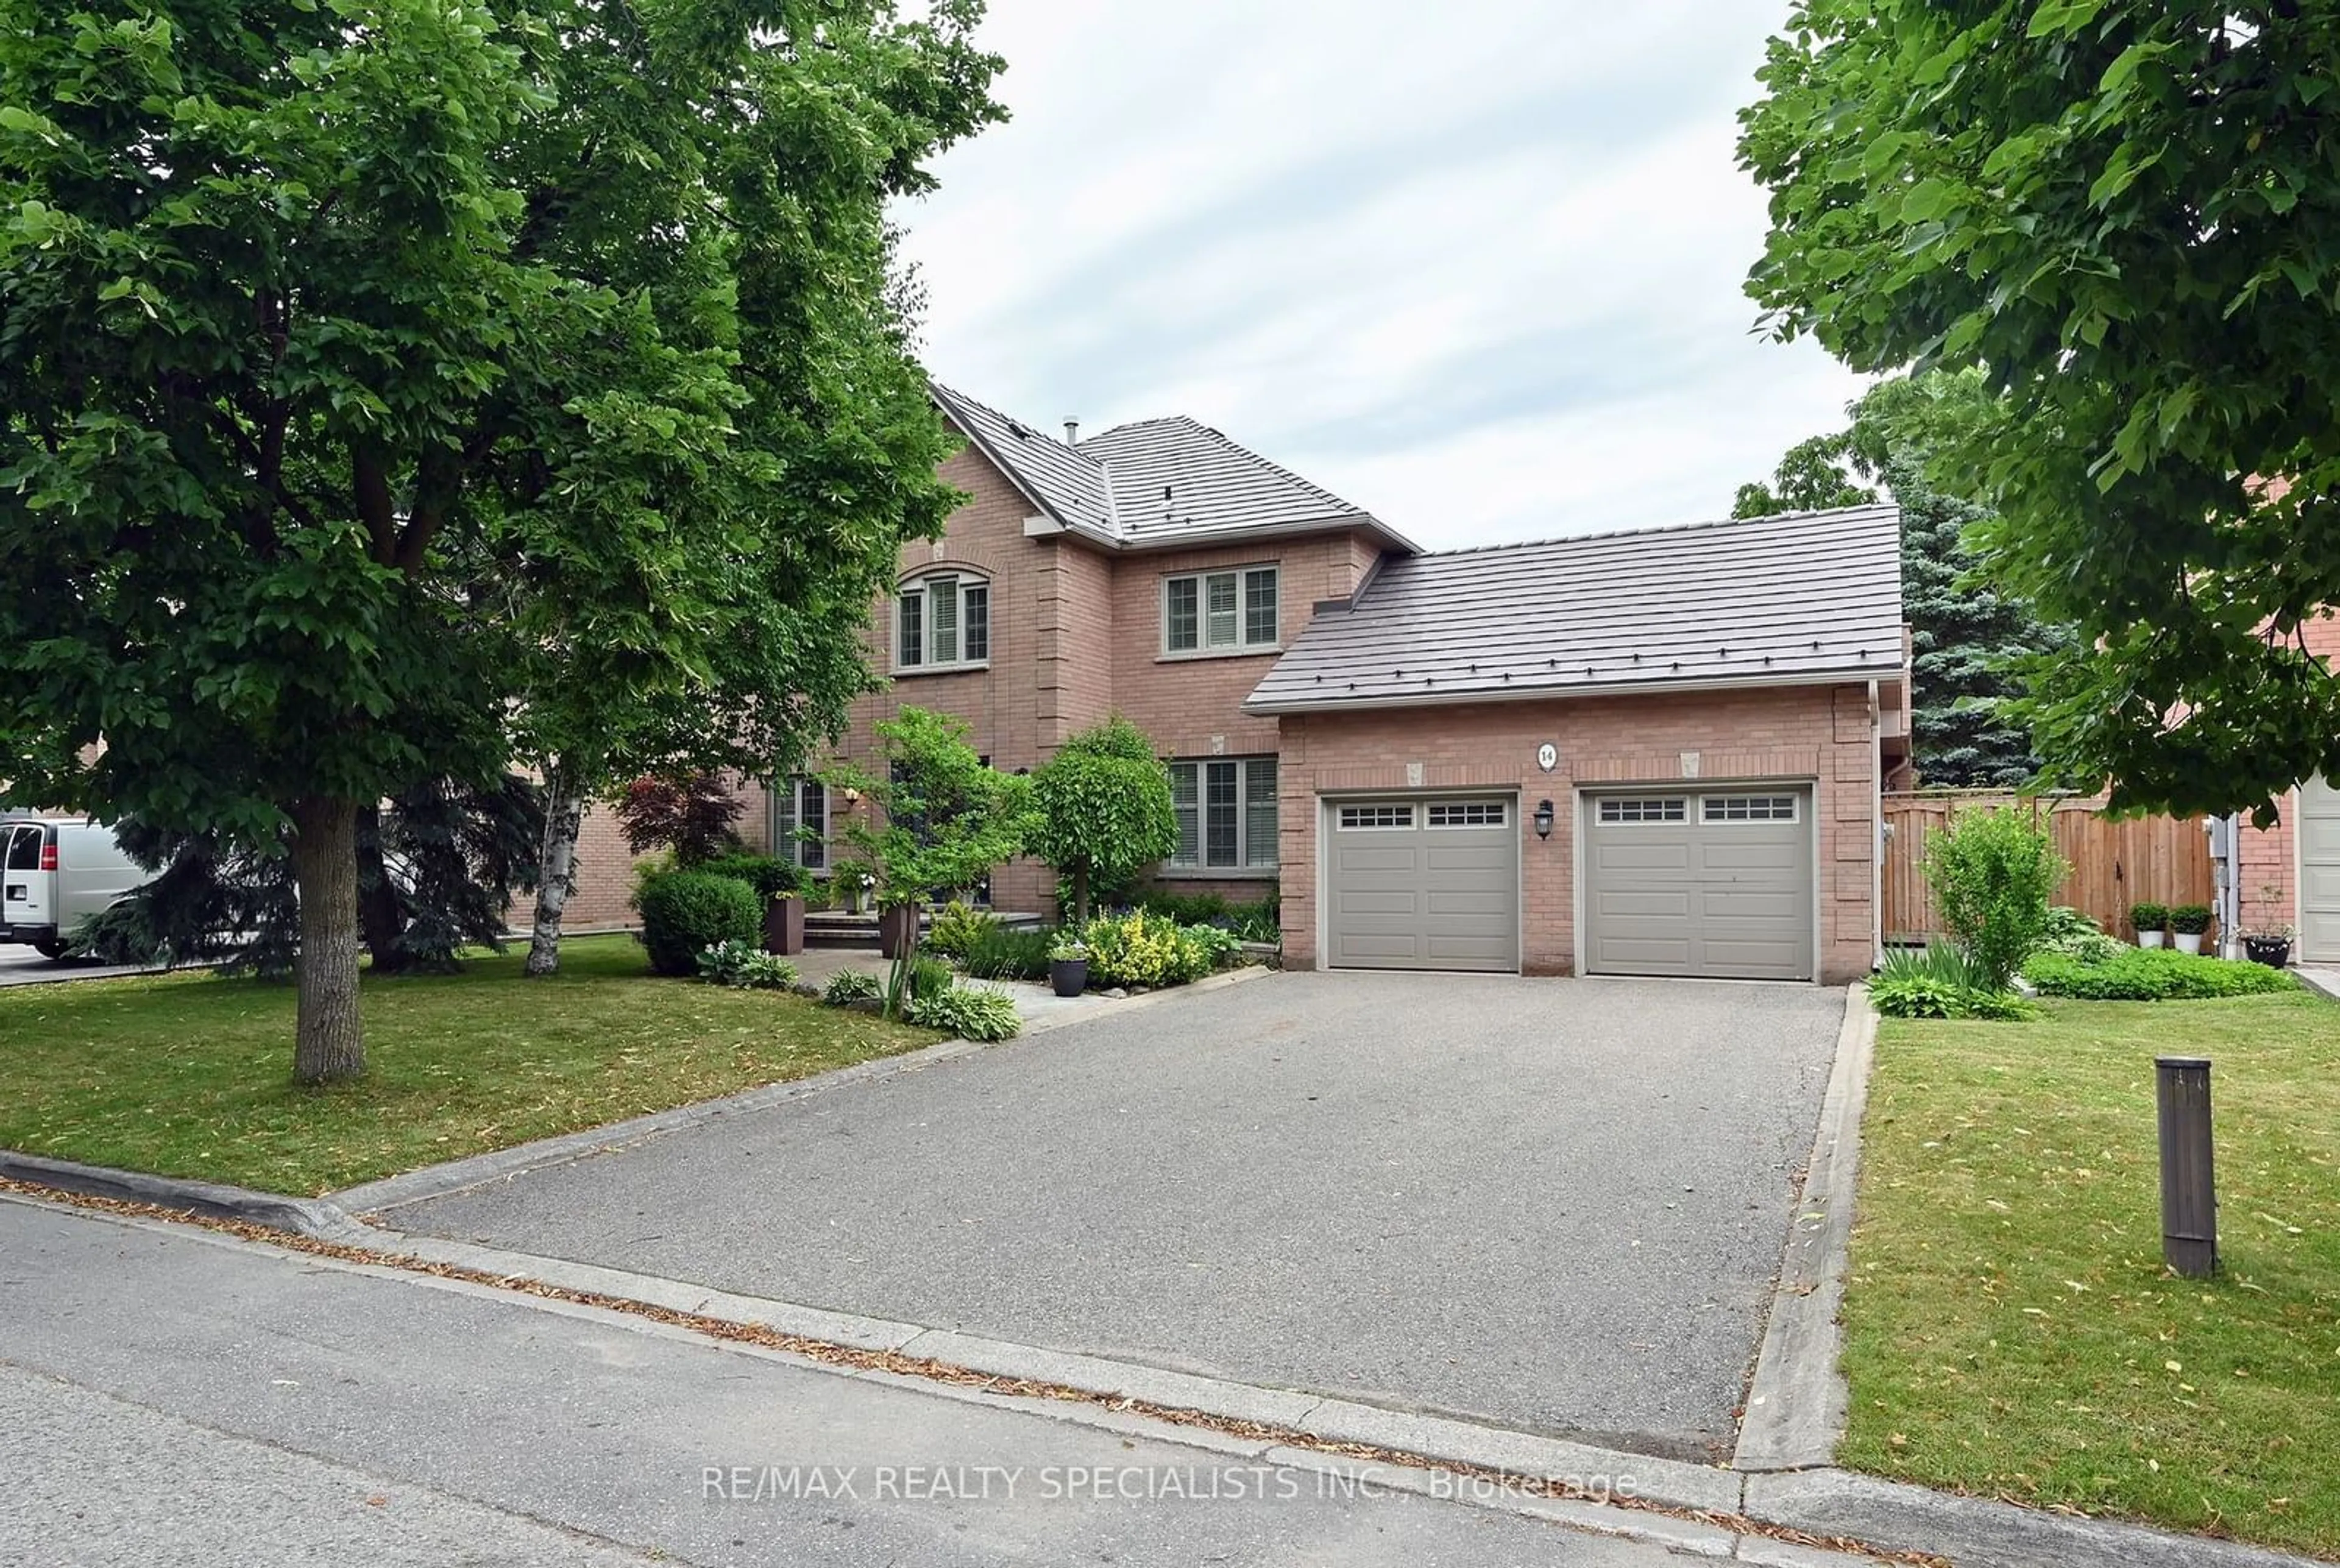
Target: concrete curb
499, 1165
1976, 1532
308, 1217
1797, 1401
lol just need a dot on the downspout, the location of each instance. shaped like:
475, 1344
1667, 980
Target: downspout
1876, 830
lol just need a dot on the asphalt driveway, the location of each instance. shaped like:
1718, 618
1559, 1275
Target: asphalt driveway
1554, 1204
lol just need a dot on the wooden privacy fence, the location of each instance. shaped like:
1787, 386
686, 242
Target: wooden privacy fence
2114, 864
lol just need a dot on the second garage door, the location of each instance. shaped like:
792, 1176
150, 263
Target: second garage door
1714, 883
1422, 883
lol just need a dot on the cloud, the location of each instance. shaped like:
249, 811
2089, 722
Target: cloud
1479, 269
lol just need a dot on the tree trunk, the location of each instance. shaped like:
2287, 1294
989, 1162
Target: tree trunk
1081, 892
377, 899
329, 1044
555, 870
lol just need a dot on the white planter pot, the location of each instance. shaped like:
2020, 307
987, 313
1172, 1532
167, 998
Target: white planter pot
2150, 938
2188, 941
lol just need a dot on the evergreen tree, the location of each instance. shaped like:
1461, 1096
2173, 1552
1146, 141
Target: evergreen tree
1966, 632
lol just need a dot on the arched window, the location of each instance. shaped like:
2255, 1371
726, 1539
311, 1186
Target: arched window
943, 621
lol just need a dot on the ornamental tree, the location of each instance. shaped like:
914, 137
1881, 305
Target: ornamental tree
942, 818
2122, 216
1102, 808
361, 360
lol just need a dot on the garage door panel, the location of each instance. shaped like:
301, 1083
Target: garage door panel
1723, 897
1771, 906
1645, 956
1423, 897
1653, 902
1632, 853
2319, 837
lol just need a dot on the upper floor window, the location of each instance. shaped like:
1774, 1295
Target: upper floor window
943, 621
1219, 612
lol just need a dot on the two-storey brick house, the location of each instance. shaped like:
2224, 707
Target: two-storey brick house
1648, 753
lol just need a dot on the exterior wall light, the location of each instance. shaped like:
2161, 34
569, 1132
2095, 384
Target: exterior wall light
1544, 818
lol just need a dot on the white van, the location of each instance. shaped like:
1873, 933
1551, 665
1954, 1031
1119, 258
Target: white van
55, 873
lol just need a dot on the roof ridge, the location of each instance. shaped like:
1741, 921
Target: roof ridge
1025, 428
1648, 528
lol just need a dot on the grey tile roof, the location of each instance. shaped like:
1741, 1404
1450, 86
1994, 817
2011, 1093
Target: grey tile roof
1055, 477
1176, 476
1155, 482
1767, 600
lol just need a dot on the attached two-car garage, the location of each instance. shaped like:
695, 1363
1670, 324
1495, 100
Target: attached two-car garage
1712, 882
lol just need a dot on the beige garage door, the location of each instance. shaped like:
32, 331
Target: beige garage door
2319, 872
1699, 883
1422, 882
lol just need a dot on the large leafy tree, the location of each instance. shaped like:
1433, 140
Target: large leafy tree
359, 354
1968, 635
2124, 216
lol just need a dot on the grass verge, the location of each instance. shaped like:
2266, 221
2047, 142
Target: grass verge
2010, 1328
190, 1074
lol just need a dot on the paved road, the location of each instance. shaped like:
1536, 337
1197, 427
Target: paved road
22, 965
1554, 1205
170, 1396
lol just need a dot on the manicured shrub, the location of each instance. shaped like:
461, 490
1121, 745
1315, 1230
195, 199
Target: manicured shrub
769, 875
686, 912
970, 1012
1102, 809
2150, 974
956, 928
1187, 908
2189, 919
849, 986
746, 966
1000, 954
2144, 917
1992, 873
1142, 950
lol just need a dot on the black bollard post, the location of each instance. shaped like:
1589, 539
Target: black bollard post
2189, 1196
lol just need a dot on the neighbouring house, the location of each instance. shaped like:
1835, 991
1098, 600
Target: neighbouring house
2289, 874
1655, 752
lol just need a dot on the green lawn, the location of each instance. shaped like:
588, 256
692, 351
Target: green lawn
2010, 1328
190, 1074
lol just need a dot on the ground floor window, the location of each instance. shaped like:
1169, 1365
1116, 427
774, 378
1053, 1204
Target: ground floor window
1226, 813
800, 822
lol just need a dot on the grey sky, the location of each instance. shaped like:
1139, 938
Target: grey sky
1477, 266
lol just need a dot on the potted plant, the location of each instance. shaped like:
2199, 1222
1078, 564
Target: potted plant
1068, 967
898, 924
2189, 921
2270, 945
784, 914
2150, 920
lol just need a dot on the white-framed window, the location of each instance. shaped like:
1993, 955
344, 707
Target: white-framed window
1231, 611
1620, 811
943, 621
800, 822
1470, 814
1370, 819
1226, 814
1747, 809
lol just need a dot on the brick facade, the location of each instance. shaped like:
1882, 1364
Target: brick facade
1822, 735
1076, 634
